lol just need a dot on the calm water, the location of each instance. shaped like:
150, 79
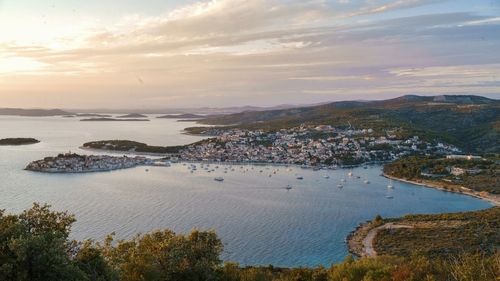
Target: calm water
259, 221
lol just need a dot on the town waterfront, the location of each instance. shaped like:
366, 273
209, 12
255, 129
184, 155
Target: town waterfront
259, 220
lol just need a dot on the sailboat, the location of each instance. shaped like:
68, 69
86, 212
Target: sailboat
390, 184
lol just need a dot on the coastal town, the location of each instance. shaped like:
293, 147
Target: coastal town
307, 146
314, 146
74, 163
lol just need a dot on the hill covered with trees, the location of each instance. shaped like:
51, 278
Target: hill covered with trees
469, 122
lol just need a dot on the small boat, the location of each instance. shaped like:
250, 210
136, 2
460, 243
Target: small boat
358, 177
366, 181
326, 176
389, 196
300, 177
390, 184
288, 187
340, 185
219, 179
342, 180
350, 174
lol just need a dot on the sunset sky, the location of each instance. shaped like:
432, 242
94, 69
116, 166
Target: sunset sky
172, 53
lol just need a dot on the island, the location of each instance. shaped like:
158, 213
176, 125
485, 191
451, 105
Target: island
111, 120
75, 163
182, 116
18, 141
132, 115
33, 112
131, 146
92, 115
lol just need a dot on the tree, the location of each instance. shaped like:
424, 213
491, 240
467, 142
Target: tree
164, 255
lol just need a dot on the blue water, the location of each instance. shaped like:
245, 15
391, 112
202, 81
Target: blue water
258, 220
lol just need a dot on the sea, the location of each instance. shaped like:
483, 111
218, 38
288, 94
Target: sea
259, 220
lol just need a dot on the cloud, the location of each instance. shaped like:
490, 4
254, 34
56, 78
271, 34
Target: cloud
236, 50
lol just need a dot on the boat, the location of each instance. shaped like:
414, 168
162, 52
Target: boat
390, 184
366, 181
389, 196
342, 180
219, 179
350, 174
288, 187
326, 176
300, 177
340, 185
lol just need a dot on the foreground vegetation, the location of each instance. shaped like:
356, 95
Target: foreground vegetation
18, 141
442, 235
486, 176
34, 245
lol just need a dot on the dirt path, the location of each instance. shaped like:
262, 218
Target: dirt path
368, 249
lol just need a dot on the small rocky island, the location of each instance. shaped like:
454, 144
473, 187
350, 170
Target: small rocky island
110, 119
182, 116
18, 141
75, 163
132, 115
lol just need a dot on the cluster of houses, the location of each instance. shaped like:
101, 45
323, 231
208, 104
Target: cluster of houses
74, 163
309, 145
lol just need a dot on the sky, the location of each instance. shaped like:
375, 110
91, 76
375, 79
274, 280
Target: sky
218, 53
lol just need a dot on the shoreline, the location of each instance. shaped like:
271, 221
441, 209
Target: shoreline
164, 155
486, 196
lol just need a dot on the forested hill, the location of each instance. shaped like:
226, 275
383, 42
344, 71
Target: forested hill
470, 122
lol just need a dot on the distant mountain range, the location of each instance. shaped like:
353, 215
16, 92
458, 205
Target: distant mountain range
470, 122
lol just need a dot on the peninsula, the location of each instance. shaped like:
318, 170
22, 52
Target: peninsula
18, 141
75, 163
431, 235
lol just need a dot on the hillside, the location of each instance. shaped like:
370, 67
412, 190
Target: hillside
470, 122
442, 235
